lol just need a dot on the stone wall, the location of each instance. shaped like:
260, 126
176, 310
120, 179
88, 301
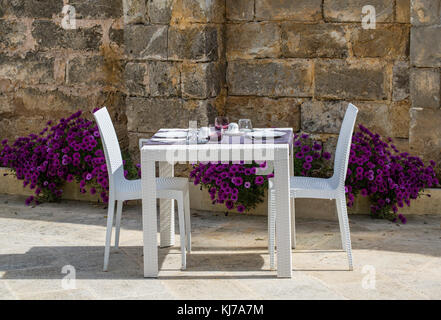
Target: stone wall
298, 63
176, 67
162, 63
425, 78
48, 72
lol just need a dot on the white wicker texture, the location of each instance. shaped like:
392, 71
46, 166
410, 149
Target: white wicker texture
332, 188
121, 189
279, 153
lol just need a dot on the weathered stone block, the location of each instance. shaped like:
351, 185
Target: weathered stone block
253, 40
48, 36
425, 88
297, 10
322, 116
202, 111
140, 113
318, 40
146, 42
400, 86
160, 11
12, 34
98, 9
31, 8
376, 117
351, 10
399, 116
32, 108
86, 70
390, 41
270, 78
425, 46
200, 80
196, 42
12, 8
134, 77
425, 12
197, 11
240, 10
135, 11
169, 113
162, 79
265, 112
117, 36
154, 78
425, 130
339, 79
32, 69
53, 103
402, 8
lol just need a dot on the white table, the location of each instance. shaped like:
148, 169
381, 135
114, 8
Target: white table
279, 152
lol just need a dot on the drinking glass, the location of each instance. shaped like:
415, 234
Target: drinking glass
245, 125
221, 122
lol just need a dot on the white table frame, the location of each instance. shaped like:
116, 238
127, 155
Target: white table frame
167, 155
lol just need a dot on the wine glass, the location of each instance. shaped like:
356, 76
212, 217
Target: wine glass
221, 122
245, 125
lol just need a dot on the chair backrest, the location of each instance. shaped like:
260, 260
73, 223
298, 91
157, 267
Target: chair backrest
344, 145
110, 144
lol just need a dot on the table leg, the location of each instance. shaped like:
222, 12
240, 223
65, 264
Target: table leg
293, 209
149, 219
166, 210
283, 216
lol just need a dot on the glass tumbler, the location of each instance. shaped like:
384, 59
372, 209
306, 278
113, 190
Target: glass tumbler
245, 125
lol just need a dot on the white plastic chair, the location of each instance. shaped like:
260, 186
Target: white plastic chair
332, 188
121, 189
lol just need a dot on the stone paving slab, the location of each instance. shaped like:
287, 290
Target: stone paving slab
229, 259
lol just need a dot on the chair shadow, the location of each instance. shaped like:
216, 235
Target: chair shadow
46, 262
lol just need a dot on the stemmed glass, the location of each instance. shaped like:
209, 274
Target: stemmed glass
221, 122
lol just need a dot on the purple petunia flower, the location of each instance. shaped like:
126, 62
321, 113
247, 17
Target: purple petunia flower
237, 181
307, 165
229, 204
300, 155
247, 184
259, 180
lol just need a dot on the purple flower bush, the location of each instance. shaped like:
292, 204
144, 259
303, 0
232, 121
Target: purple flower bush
309, 160
389, 178
235, 185
67, 151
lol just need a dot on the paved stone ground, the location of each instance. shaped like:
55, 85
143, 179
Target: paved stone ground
229, 260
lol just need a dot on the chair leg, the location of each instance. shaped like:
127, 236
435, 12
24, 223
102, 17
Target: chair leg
187, 214
119, 205
181, 217
271, 228
341, 202
110, 213
340, 223
293, 224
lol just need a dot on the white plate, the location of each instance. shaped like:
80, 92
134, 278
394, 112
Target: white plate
165, 140
171, 134
235, 133
266, 134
